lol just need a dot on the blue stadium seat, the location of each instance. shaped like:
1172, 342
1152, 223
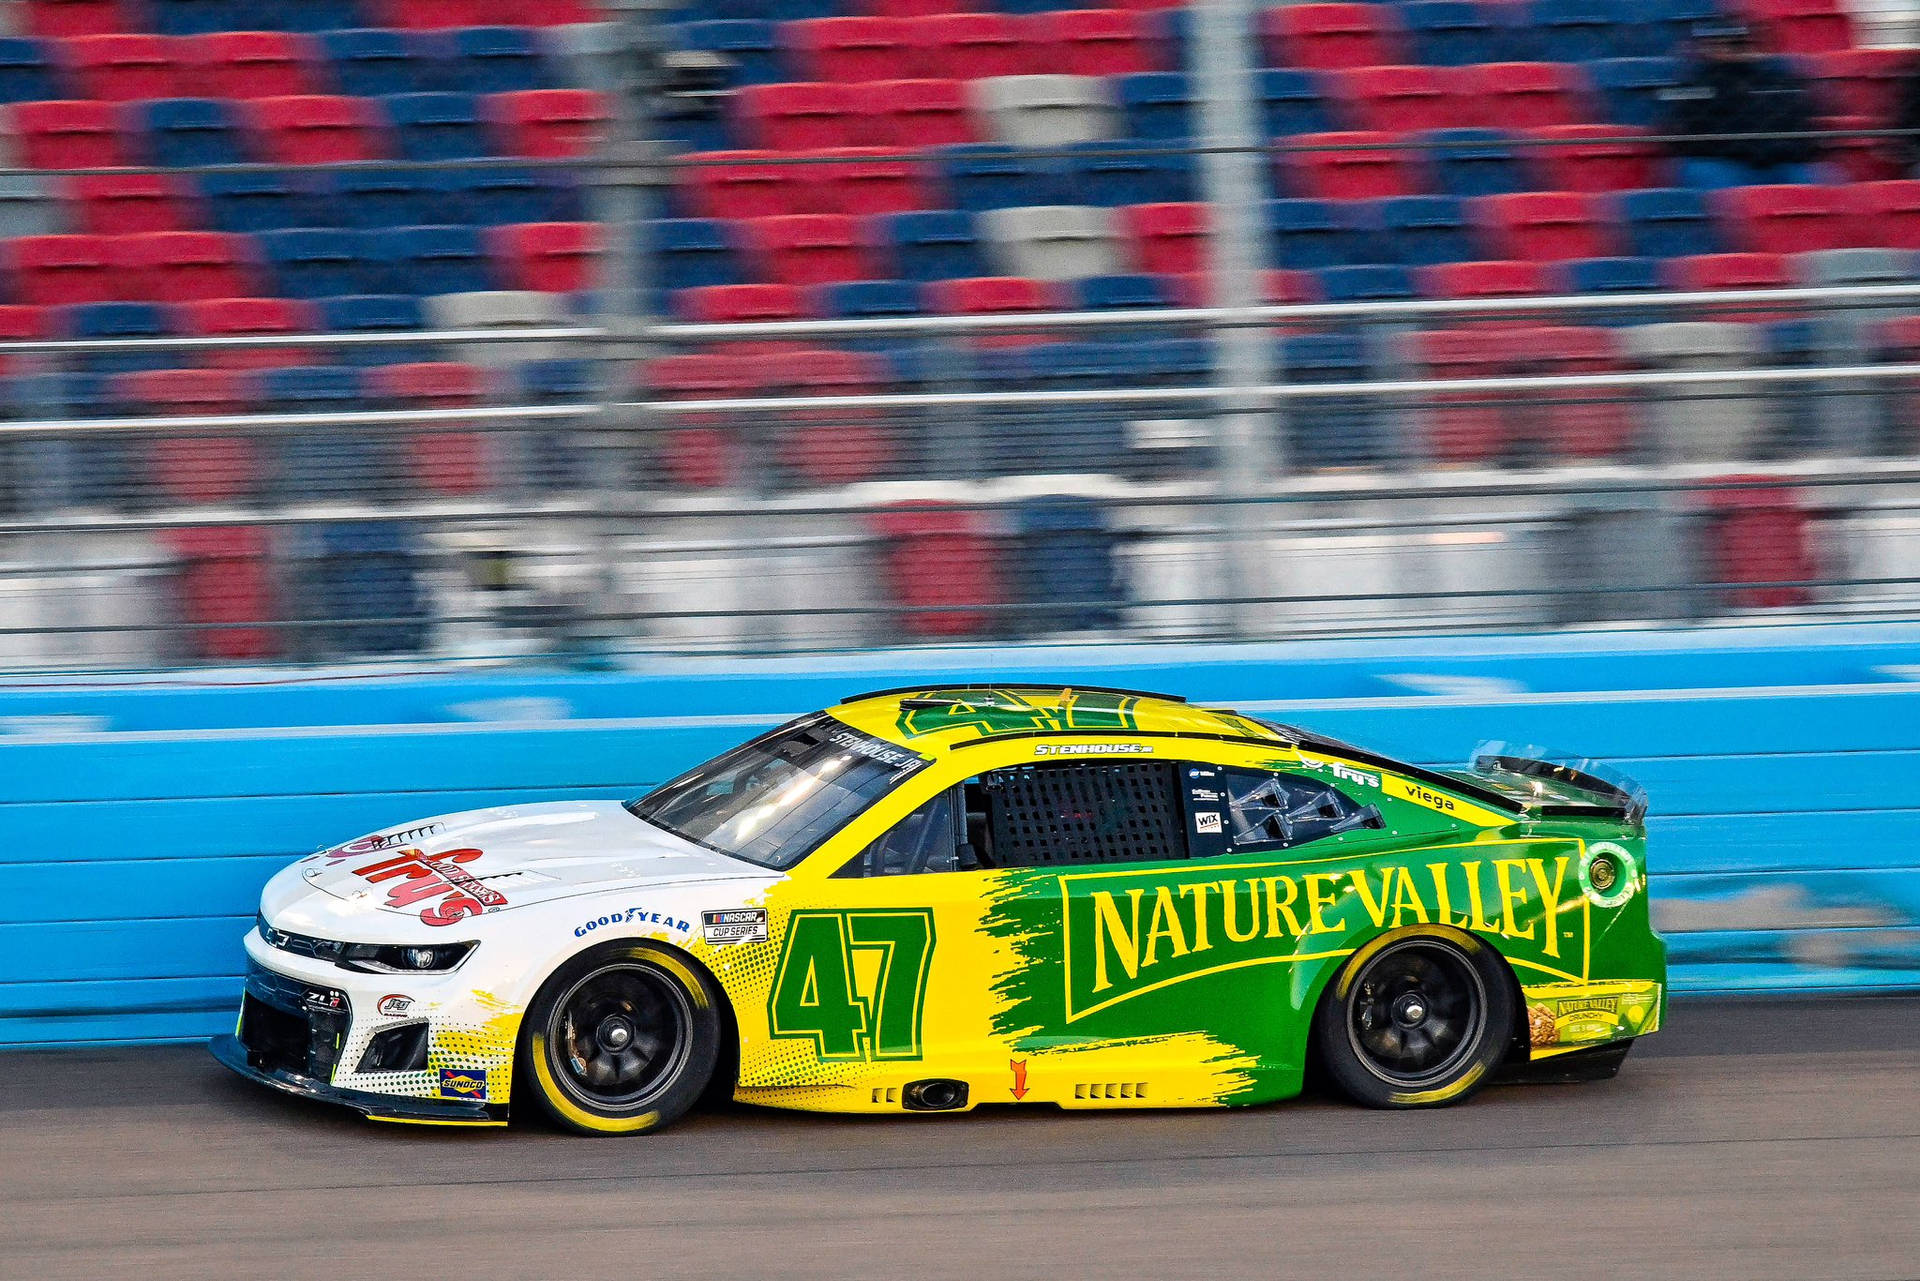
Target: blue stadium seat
199, 17
305, 15
1311, 234
1126, 173
1422, 231
375, 62
857, 299
1373, 282
1631, 88
1065, 574
491, 60
1121, 293
1474, 162
688, 253
372, 198
313, 262
119, 320
1669, 222
984, 176
496, 195
1175, 362
438, 126
559, 382
185, 132
330, 463
1665, 26
935, 245
1579, 30
753, 47
1340, 431
28, 73
1158, 105
376, 314
1454, 33
1617, 276
436, 260
262, 201
365, 579
1292, 101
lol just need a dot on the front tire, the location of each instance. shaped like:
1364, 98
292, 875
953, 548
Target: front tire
622, 1039
1416, 1020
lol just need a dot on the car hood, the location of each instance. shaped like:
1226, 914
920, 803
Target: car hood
479, 862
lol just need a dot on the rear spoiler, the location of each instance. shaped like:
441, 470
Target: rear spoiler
1558, 785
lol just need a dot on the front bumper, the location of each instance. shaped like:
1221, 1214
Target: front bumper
376, 1107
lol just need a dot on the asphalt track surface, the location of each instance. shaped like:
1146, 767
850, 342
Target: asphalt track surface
1751, 1140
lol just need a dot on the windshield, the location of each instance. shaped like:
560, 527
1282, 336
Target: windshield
774, 801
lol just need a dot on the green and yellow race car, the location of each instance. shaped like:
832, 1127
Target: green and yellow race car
928, 899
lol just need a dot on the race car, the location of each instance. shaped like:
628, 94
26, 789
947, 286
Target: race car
925, 900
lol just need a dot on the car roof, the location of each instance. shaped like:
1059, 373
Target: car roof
934, 719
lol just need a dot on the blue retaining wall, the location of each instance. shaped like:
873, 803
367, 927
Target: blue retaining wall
139, 817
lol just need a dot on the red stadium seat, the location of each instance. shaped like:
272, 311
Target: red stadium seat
1349, 166
1889, 212
20, 323
128, 68
1860, 82
939, 568
182, 266
224, 591
1530, 95
914, 113
798, 117
868, 180
808, 249
750, 184
699, 451
64, 19
240, 317
1804, 26
1168, 239
52, 271
195, 469
319, 129
127, 204
1597, 158
970, 46
1857, 157
69, 135
254, 64
1790, 217
914, 8
445, 460
1496, 279
834, 446
848, 50
1328, 37
1734, 271
995, 295
1579, 424
549, 257
1548, 226
439, 15
1404, 99
549, 124
1759, 543
742, 303
1098, 42
1465, 427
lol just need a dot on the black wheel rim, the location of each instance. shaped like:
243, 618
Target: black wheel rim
1417, 1013
618, 1036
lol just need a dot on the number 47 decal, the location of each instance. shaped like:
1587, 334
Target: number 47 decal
817, 993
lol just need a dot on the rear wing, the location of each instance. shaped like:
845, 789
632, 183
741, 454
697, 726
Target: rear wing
1558, 785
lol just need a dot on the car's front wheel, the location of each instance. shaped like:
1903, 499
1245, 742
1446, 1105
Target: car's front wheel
1416, 1020
621, 1040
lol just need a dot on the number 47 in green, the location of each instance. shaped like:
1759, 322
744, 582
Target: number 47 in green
816, 993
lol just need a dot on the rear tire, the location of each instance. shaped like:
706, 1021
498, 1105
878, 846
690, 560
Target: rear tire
622, 1039
1416, 1019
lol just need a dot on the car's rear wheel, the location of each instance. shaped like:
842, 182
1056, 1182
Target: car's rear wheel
1416, 1020
621, 1040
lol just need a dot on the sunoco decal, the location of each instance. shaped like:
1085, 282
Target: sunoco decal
463, 1083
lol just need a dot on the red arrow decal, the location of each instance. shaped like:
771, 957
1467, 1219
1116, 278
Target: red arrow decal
1019, 1067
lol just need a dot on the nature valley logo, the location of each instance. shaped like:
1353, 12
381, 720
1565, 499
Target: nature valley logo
1130, 933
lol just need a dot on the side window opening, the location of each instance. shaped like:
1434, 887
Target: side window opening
1268, 811
927, 840
1078, 812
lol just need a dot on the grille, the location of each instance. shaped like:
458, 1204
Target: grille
1042, 815
291, 1026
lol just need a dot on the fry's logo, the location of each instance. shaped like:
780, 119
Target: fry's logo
416, 877
1128, 933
